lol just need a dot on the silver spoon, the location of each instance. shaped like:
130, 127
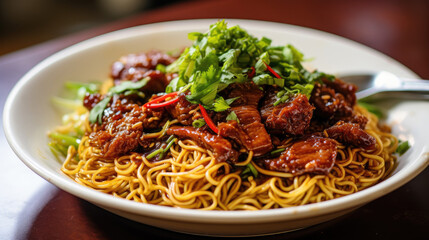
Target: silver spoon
387, 85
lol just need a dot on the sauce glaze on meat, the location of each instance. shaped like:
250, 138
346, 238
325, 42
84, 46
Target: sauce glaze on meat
260, 127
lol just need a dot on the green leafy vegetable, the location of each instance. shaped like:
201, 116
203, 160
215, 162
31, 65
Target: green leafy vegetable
225, 55
402, 148
221, 104
232, 116
126, 87
60, 143
96, 113
161, 68
371, 108
65, 140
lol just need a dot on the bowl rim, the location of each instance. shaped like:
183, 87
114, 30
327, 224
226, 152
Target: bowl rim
218, 216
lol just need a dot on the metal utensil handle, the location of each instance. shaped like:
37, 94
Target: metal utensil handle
415, 85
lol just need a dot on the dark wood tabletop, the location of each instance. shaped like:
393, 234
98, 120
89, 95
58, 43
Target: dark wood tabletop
32, 208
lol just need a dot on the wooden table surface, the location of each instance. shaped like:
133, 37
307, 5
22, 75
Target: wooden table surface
32, 208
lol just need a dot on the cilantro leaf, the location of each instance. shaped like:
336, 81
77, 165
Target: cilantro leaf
204, 87
232, 116
96, 113
224, 55
129, 85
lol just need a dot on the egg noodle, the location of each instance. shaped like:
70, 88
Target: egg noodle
192, 178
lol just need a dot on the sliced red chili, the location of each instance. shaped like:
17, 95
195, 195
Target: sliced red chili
154, 103
163, 104
272, 71
252, 73
163, 97
208, 120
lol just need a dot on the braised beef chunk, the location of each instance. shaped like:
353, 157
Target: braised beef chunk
123, 125
252, 136
348, 90
248, 132
247, 93
90, 100
333, 100
351, 133
310, 155
359, 119
291, 117
221, 148
184, 111
134, 67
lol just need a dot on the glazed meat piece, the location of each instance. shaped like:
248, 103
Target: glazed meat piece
291, 117
122, 127
348, 90
247, 93
184, 111
310, 155
134, 67
351, 133
90, 100
221, 148
334, 100
249, 133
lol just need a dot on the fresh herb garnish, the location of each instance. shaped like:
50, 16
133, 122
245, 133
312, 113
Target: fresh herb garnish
249, 170
198, 123
232, 116
127, 87
221, 104
225, 55
402, 147
277, 151
371, 108
96, 113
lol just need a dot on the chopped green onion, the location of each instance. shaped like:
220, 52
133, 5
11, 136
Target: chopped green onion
277, 151
283, 99
249, 170
169, 145
170, 138
198, 123
154, 153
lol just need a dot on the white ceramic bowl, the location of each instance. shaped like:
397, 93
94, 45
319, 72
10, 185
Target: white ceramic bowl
29, 115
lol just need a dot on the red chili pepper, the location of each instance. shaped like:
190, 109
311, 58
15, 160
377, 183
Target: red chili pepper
163, 104
155, 102
272, 71
252, 73
208, 119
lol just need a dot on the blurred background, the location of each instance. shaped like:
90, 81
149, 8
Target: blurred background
397, 28
27, 22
